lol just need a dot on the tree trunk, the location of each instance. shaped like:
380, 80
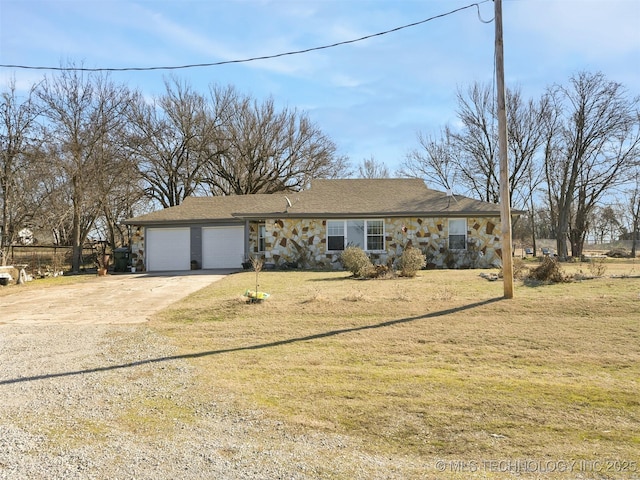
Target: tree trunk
636, 231
562, 231
76, 258
76, 229
576, 239
4, 229
533, 226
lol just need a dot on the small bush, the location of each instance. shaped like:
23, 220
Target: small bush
449, 258
520, 268
355, 260
411, 261
381, 271
597, 267
548, 271
430, 257
472, 255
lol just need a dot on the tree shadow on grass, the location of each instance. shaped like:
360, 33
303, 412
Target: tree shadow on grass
259, 346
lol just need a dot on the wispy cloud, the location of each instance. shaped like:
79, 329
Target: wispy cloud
371, 96
588, 27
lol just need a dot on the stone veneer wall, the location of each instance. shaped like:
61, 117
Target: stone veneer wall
303, 241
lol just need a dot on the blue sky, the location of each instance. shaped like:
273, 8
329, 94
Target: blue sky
371, 97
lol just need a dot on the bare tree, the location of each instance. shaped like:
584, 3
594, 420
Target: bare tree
436, 162
633, 210
477, 142
605, 225
592, 139
526, 138
224, 144
123, 201
371, 168
543, 224
86, 116
467, 158
17, 127
266, 150
167, 139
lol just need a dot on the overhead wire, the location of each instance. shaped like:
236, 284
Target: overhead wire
252, 59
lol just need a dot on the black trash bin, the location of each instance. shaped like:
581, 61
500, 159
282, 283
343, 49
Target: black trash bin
121, 259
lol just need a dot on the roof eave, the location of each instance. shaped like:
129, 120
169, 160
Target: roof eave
440, 213
181, 222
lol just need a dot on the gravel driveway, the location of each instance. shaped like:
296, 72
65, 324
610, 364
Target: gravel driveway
112, 299
89, 391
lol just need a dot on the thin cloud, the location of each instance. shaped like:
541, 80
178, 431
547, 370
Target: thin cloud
370, 95
592, 28
346, 81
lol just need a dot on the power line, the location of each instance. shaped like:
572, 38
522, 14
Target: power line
252, 59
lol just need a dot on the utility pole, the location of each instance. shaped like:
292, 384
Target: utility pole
505, 202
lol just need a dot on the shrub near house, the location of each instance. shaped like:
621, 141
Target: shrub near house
411, 261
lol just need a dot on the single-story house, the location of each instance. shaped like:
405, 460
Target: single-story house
312, 227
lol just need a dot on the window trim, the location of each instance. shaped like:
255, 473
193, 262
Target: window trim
343, 236
368, 235
465, 235
365, 238
261, 239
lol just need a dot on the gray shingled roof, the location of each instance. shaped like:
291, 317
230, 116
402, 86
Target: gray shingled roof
207, 209
326, 198
394, 197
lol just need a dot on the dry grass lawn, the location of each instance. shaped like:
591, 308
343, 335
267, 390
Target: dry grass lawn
434, 367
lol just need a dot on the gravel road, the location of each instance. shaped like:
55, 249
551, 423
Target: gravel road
108, 399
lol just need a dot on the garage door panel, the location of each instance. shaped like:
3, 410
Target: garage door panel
222, 247
168, 249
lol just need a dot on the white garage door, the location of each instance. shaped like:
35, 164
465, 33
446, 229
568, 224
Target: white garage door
222, 247
168, 249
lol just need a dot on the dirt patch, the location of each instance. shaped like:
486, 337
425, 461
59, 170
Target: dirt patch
114, 299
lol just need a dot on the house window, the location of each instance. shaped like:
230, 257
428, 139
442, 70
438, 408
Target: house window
335, 235
366, 234
375, 235
355, 233
262, 230
458, 234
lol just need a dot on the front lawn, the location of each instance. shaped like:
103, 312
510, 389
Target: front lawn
434, 367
